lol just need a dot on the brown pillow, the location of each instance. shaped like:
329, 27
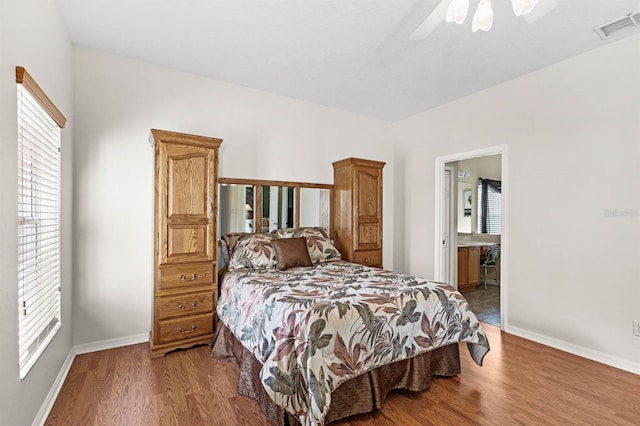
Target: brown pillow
291, 252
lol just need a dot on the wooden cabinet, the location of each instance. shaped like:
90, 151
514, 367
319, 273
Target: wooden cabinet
185, 268
357, 214
468, 266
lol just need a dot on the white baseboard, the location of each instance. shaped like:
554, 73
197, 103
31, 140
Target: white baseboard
84, 348
102, 345
46, 406
613, 361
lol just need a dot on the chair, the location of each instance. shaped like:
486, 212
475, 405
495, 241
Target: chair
490, 259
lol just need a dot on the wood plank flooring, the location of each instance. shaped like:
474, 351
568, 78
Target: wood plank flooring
521, 383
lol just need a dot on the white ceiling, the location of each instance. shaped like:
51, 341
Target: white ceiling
345, 54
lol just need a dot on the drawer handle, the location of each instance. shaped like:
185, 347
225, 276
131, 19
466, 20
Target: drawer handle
368, 260
182, 308
183, 278
193, 328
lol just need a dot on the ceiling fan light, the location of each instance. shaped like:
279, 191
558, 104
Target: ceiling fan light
522, 7
483, 18
457, 11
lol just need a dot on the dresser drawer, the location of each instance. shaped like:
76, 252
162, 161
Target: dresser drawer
368, 257
185, 276
184, 304
185, 328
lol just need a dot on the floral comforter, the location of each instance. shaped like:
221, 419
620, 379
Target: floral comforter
314, 328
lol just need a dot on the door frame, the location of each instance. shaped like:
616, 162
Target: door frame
504, 238
452, 238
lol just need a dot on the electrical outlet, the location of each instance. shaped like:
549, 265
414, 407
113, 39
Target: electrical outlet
636, 327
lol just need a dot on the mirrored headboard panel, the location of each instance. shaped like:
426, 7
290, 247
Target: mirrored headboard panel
236, 207
261, 206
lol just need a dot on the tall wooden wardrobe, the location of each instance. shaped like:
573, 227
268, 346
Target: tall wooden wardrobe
184, 264
357, 210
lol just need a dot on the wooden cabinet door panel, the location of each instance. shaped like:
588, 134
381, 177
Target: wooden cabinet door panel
468, 266
367, 193
368, 236
187, 183
463, 267
474, 265
368, 208
185, 203
185, 243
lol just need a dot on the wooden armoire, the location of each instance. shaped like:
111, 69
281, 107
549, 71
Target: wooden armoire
185, 246
357, 210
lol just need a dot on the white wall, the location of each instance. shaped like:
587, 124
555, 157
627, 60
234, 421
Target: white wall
265, 137
32, 36
573, 137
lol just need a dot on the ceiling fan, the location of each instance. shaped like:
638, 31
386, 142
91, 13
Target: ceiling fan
456, 11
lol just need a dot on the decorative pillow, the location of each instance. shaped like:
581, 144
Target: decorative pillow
291, 252
253, 251
283, 233
289, 232
231, 239
320, 247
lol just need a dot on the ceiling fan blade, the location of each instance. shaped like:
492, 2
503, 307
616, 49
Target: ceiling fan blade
431, 23
542, 8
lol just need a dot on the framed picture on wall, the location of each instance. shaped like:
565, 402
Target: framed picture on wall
466, 196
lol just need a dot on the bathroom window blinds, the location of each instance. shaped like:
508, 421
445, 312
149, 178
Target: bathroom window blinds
490, 207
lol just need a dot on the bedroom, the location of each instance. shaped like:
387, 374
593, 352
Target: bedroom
559, 152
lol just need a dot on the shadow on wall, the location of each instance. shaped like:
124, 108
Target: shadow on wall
399, 197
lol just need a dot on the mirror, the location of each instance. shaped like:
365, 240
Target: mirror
236, 208
262, 206
277, 208
465, 207
315, 207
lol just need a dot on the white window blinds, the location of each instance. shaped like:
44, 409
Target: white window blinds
38, 228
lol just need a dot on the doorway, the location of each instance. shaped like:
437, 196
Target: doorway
470, 227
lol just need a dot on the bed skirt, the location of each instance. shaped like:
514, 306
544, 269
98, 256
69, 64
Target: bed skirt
361, 394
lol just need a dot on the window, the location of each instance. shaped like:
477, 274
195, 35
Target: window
490, 206
39, 125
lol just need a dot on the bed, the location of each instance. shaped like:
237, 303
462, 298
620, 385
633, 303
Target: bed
311, 332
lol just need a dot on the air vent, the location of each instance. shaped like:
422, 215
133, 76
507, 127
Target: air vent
626, 23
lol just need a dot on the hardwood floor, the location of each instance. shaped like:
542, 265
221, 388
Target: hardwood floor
485, 303
521, 383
